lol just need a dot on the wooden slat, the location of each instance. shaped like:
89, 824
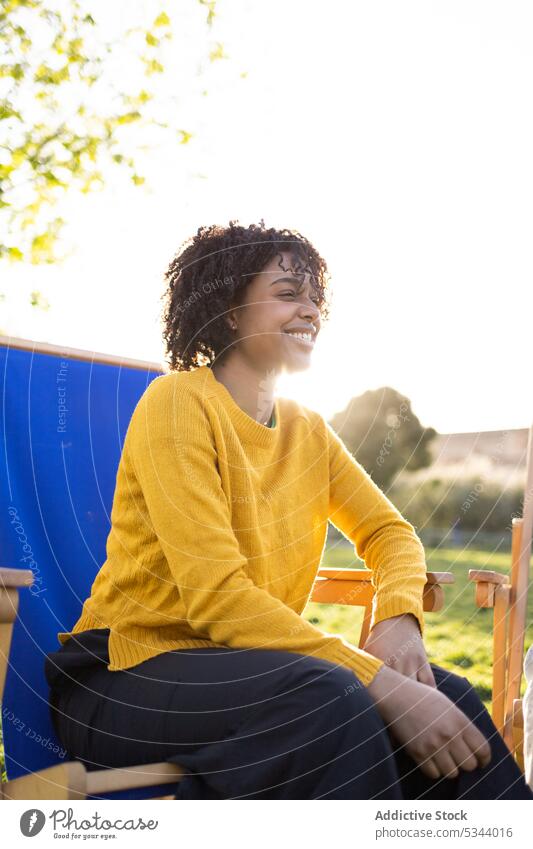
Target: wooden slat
433, 598
80, 354
499, 655
63, 781
365, 628
488, 576
15, 577
328, 591
145, 775
333, 574
518, 733
353, 587
521, 553
9, 601
366, 575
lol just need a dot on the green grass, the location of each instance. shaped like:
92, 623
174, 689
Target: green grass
459, 637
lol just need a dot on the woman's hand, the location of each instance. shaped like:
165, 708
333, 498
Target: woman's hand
436, 734
398, 642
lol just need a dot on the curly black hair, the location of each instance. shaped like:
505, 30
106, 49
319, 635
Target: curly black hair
220, 262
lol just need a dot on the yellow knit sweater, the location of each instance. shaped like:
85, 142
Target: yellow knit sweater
218, 527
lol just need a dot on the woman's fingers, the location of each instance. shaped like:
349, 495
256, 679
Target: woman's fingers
463, 755
478, 744
445, 764
429, 768
425, 675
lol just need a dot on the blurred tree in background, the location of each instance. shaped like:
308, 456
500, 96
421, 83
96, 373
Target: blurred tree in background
63, 119
384, 435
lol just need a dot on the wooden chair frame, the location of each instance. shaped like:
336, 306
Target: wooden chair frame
507, 596
71, 780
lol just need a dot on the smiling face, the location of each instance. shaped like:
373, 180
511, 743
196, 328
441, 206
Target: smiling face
278, 318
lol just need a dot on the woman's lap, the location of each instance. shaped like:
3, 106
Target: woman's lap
260, 724
243, 719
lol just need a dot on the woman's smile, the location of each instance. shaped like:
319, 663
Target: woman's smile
305, 339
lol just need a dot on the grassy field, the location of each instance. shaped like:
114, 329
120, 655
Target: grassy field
458, 638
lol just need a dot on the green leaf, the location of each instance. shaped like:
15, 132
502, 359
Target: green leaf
162, 20
52, 180
153, 66
151, 39
217, 52
7, 111
211, 9
128, 117
16, 71
38, 300
47, 76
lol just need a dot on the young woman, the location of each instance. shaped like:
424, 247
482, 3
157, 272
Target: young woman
191, 647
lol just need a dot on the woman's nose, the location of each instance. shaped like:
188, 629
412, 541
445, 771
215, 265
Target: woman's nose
310, 311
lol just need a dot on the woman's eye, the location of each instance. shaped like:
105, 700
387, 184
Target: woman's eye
316, 301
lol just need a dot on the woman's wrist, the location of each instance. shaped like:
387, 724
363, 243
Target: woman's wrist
384, 682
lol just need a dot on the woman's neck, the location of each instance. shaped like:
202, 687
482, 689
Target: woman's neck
253, 391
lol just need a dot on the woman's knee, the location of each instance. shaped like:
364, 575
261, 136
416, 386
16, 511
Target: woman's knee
338, 687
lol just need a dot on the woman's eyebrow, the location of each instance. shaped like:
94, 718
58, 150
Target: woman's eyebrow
287, 280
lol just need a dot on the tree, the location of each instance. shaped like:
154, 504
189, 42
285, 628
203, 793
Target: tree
63, 120
384, 435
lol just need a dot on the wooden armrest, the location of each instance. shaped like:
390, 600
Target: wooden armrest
333, 574
440, 578
15, 577
486, 576
490, 587
354, 587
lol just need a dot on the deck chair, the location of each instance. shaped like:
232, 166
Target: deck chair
66, 413
506, 594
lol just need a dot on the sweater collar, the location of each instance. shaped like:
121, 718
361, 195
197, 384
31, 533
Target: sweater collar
248, 428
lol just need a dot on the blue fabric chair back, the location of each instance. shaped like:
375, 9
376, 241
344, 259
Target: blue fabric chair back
65, 417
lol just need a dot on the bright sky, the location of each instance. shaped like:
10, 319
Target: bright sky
398, 137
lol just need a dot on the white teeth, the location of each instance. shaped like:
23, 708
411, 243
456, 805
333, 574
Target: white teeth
306, 337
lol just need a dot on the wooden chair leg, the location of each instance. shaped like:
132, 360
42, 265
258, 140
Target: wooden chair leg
9, 601
518, 733
499, 649
365, 627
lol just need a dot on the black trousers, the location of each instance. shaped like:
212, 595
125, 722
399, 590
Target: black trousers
258, 724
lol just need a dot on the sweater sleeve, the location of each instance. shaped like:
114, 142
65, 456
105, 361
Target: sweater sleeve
381, 536
175, 459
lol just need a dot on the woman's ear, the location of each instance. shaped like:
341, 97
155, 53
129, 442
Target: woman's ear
231, 322
230, 318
